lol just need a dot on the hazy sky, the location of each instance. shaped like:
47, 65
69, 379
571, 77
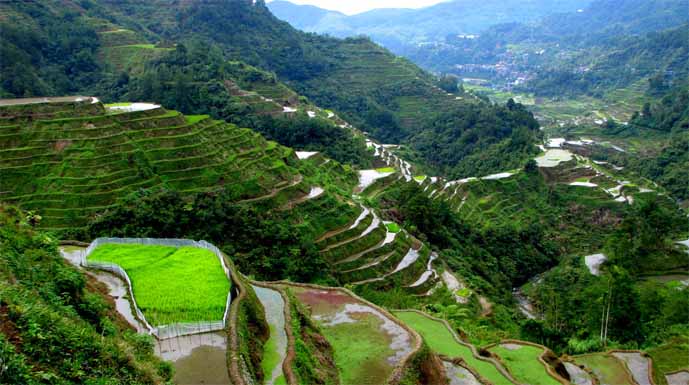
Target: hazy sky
351, 7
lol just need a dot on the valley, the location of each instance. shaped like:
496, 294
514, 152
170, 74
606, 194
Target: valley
226, 199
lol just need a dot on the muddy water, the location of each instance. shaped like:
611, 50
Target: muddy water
117, 289
274, 307
638, 365
198, 359
680, 378
578, 375
458, 375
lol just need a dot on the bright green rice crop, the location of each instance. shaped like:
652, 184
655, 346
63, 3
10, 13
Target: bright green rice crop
171, 284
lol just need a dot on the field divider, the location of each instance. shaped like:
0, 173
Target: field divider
287, 369
164, 331
498, 365
541, 357
398, 373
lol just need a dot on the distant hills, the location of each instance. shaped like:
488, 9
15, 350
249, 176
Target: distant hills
398, 29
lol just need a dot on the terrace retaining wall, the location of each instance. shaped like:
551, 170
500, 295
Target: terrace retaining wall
471, 347
398, 372
548, 368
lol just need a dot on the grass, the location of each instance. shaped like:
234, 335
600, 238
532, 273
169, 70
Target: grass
191, 119
358, 360
170, 284
524, 365
385, 170
393, 227
608, 369
124, 104
670, 357
420, 178
442, 341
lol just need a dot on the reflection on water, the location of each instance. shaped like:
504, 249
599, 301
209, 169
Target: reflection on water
198, 359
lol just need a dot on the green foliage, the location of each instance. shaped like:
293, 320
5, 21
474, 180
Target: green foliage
259, 241
473, 251
314, 362
642, 313
643, 244
165, 281
54, 328
52, 50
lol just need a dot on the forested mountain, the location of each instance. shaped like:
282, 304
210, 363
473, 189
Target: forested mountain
333, 183
401, 30
606, 46
388, 96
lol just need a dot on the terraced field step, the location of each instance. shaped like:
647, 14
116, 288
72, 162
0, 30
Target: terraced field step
525, 364
90, 161
443, 340
383, 344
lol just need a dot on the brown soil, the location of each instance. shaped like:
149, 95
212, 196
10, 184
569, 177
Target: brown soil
8, 328
551, 359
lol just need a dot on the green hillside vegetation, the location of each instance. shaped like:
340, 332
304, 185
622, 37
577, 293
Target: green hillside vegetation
383, 94
72, 168
164, 281
57, 323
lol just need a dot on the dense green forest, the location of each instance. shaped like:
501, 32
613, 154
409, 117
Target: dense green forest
572, 299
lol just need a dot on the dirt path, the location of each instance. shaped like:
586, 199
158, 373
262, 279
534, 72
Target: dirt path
274, 307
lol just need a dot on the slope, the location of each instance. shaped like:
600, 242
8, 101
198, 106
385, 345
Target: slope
58, 324
70, 165
369, 87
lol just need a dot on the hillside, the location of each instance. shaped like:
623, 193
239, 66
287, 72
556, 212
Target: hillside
402, 30
372, 89
59, 324
240, 203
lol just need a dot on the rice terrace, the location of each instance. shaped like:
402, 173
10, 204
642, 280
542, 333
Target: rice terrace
258, 192
171, 284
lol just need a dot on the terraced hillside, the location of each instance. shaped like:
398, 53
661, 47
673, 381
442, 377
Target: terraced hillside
385, 95
124, 50
69, 168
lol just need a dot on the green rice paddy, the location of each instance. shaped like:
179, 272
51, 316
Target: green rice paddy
393, 227
442, 341
385, 170
522, 361
608, 369
171, 284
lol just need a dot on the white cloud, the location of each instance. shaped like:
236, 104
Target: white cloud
351, 7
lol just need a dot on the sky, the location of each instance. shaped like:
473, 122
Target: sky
351, 7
